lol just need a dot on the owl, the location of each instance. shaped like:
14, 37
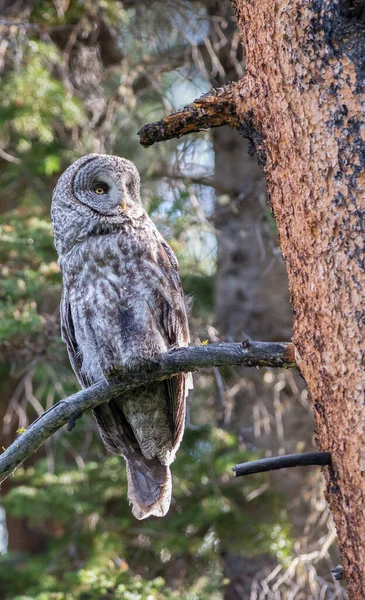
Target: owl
122, 303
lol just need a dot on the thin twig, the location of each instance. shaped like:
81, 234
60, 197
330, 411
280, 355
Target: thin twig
282, 462
38, 27
251, 354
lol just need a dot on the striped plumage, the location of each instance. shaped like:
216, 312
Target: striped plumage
122, 301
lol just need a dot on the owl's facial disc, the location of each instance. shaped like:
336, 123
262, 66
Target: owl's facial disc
97, 186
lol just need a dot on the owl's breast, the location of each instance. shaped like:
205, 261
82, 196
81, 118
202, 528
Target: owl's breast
112, 295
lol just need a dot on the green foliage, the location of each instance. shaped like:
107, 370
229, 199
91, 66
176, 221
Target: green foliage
29, 270
200, 286
112, 582
111, 11
99, 584
34, 106
87, 509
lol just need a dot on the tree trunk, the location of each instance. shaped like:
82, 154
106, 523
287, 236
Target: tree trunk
246, 263
302, 103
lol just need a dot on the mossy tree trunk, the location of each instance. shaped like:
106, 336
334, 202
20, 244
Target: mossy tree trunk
302, 103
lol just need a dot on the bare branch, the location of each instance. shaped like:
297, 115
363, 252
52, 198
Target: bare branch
249, 354
282, 462
214, 109
9, 157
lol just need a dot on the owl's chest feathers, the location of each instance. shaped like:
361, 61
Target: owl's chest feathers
112, 283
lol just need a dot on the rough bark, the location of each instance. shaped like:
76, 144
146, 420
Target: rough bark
301, 104
304, 81
214, 109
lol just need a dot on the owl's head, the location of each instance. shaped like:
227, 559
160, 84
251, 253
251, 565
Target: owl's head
96, 189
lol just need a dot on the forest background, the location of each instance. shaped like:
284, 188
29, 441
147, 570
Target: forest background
80, 77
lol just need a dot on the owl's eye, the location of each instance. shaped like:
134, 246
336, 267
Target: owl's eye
100, 188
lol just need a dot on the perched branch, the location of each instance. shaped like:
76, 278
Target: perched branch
282, 462
214, 109
249, 354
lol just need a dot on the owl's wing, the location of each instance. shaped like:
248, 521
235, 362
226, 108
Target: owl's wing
68, 336
174, 317
174, 324
149, 475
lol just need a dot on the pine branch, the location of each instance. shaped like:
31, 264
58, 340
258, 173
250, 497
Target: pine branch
249, 354
214, 109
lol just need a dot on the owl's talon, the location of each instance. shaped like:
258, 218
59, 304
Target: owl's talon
72, 421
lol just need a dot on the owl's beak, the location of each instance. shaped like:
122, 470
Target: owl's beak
123, 204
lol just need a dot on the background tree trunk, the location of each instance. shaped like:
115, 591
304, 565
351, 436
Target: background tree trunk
302, 105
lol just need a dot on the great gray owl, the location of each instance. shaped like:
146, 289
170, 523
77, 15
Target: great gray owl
122, 302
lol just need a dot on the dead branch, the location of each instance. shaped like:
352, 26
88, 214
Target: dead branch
249, 354
282, 462
214, 109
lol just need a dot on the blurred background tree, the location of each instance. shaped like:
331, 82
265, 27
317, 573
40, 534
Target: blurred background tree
80, 77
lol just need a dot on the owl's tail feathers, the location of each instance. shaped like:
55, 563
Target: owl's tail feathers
149, 494
149, 482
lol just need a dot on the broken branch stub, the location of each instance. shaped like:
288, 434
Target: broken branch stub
213, 109
282, 462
